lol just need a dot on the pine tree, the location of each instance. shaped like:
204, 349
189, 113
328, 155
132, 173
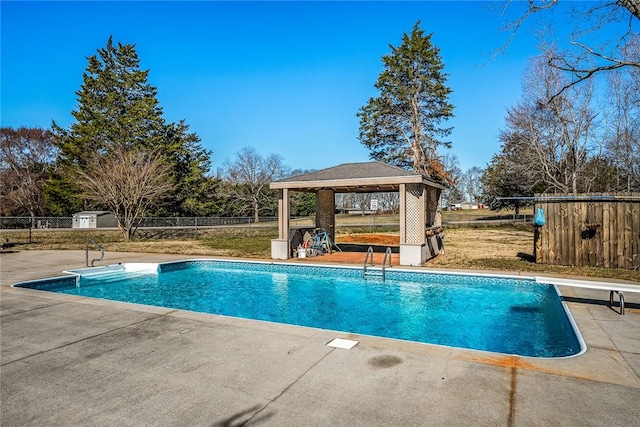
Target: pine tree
118, 109
403, 125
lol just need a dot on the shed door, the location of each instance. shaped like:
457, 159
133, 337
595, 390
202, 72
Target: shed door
84, 222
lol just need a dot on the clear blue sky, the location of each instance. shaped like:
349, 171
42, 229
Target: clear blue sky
284, 77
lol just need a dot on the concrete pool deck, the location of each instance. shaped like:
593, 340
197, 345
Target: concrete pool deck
68, 361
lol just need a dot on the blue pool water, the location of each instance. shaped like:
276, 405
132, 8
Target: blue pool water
504, 315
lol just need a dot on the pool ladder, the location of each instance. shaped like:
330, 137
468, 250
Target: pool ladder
369, 263
86, 252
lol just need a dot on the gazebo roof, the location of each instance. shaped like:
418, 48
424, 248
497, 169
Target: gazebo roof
363, 177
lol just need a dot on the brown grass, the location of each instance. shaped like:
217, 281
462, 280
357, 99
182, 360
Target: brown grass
505, 248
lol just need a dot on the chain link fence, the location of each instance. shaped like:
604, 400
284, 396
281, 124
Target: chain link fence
197, 222
15, 231
480, 219
21, 223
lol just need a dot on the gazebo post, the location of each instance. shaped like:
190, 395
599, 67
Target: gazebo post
280, 246
403, 215
412, 224
438, 217
326, 212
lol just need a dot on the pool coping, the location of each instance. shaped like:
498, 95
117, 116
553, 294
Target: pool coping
524, 362
156, 267
563, 366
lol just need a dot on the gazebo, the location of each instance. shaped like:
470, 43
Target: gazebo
420, 205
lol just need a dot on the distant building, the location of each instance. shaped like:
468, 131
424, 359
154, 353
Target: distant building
354, 211
471, 205
94, 219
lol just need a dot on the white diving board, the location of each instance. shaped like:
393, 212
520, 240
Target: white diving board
618, 288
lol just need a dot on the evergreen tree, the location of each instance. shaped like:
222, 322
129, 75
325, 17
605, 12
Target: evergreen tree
192, 188
501, 180
118, 109
507, 175
302, 203
403, 125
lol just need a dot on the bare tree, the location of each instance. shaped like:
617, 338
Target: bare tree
128, 182
452, 193
362, 201
390, 202
471, 184
622, 128
603, 32
345, 200
26, 158
247, 179
557, 134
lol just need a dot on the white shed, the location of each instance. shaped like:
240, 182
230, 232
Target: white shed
94, 219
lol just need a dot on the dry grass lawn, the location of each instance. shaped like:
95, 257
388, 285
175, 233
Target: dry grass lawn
504, 248
464, 247
468, 246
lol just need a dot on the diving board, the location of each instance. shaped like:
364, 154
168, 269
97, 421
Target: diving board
618, 288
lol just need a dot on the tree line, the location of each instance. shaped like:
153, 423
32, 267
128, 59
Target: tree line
562, 138
120, 154
36, 180
566, 134
576, 127
584, 139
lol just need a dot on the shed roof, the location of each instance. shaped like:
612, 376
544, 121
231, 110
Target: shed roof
97, 213
355, 177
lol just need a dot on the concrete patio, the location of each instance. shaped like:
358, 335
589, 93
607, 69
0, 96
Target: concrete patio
69, 361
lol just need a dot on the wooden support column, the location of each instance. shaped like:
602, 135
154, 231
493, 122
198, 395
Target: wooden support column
283, 214
438, 220
280, 246
403, 213
434, 207
422, 212
326, 212
412, 224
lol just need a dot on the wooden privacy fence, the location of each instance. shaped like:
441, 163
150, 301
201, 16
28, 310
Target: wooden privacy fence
599, 230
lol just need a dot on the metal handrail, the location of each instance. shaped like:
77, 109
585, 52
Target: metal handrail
621, 296
387, 255
384, 261
366, 259
86, 257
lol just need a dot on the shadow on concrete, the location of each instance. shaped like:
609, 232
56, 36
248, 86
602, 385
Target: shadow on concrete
603, 302
238, 419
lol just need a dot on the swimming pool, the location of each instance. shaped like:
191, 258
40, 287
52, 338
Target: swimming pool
510, 315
